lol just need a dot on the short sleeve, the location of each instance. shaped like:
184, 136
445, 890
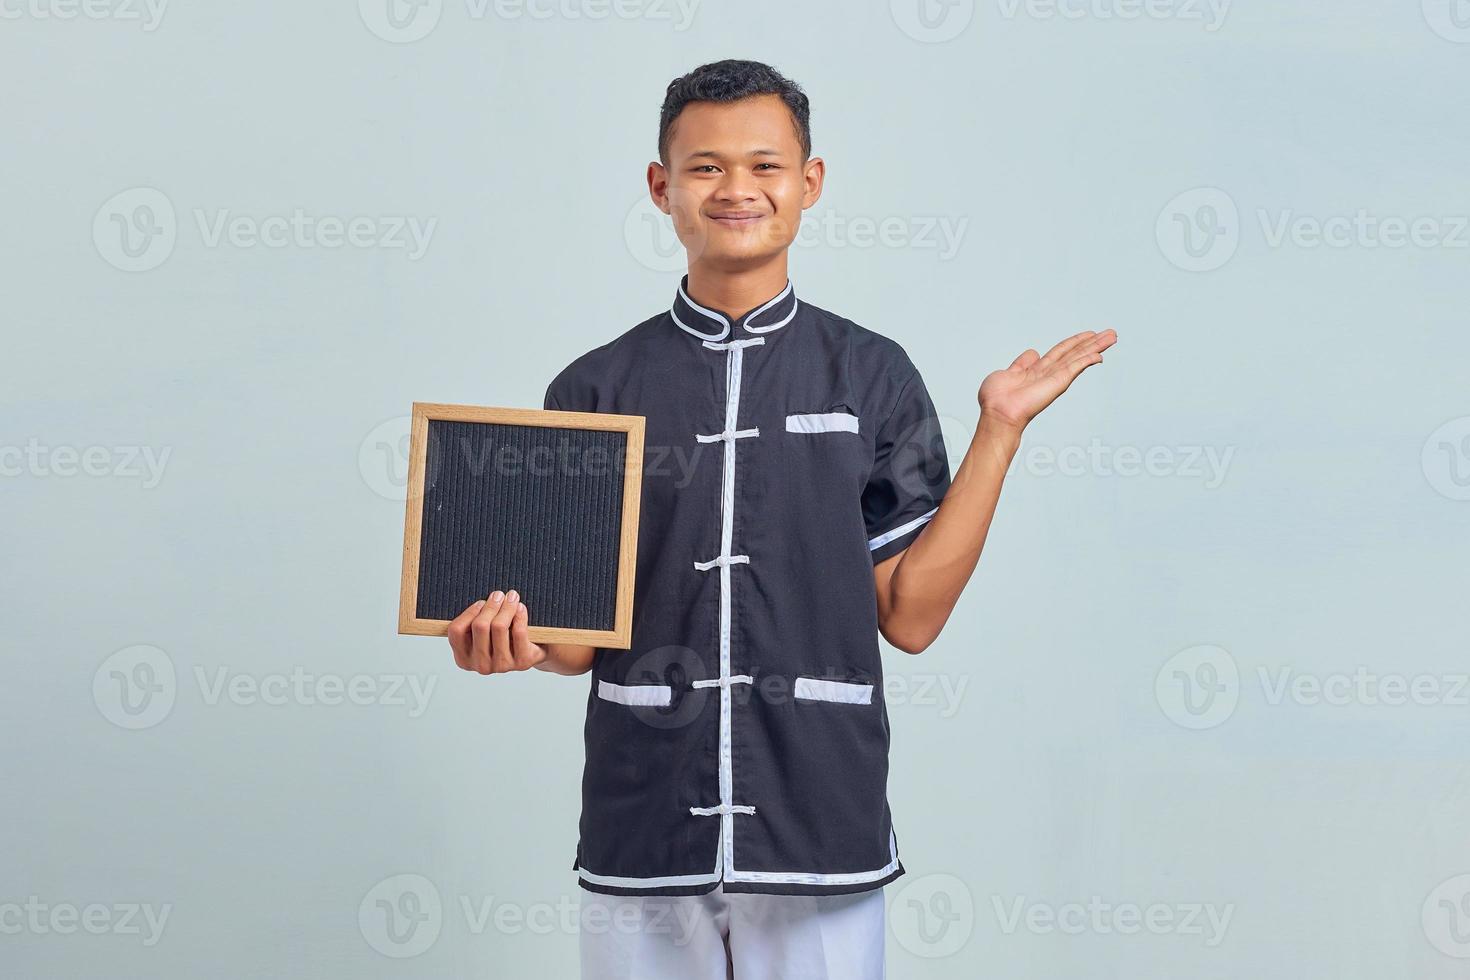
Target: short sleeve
910, 473
571, 391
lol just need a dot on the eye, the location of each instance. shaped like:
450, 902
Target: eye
773, 166
705, 168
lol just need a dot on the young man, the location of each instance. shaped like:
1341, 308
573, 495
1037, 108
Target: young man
797, 502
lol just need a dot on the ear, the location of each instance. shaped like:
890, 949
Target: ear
815, 172
658, 186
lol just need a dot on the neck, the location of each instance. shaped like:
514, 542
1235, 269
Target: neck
740, 291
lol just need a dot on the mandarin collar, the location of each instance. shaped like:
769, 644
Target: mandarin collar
712, 325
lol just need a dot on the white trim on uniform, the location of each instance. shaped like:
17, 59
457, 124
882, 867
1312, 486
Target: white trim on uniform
822, 422
673, 311
898, 532
727, 808
639, 695
780, 323
812, 878
817, 689
766, 877
667, 881
726, 327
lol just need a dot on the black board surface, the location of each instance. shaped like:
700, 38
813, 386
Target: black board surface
531, 508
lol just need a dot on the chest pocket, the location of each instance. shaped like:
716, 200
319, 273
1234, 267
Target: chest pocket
836, 420
826, 452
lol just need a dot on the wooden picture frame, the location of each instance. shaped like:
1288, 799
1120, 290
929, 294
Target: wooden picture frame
620, 636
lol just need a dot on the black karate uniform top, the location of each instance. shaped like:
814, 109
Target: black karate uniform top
743, 737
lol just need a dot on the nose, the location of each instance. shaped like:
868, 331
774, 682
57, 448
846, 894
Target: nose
737, 187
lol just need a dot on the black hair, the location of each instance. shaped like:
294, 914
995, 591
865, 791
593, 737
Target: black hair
730, 81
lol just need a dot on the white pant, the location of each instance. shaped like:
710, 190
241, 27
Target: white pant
722, 936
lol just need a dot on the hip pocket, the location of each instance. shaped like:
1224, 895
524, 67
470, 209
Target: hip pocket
638, 695
842, 692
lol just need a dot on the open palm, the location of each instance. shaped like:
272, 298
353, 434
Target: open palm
1018, 394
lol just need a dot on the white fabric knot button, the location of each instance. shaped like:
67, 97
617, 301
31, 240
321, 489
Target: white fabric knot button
729, 435
722, 562
719, 811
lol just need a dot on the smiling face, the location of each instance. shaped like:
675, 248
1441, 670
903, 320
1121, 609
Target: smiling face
736, 182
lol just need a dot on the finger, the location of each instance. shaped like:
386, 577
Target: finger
1092, 343
459, 634
1059, 352
501, 660
1077, 365
526, 653
480, 646
1099, 343
1025, 359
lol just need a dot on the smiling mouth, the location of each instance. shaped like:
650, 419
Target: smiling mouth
736, 220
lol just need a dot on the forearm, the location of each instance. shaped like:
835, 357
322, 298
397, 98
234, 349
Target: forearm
932, 572
569, 659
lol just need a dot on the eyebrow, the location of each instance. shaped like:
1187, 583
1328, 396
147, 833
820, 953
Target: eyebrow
718, 156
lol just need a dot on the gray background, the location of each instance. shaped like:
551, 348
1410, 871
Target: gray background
1122, 709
